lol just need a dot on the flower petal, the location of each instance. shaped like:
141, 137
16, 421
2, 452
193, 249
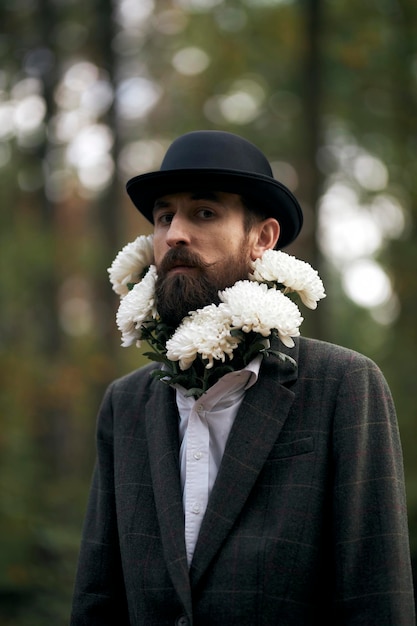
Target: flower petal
137, 307
130, 264
205, 332
276, 266
255, 308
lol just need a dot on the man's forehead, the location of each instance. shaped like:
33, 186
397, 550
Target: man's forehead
200, 194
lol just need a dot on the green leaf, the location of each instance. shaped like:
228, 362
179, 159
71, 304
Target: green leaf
155, 356
159, 374
282, 357
219, 371
255, 349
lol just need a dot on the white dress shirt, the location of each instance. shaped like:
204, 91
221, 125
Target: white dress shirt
204, 427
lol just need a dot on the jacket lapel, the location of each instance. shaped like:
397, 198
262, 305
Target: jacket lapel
162, 432
254, 432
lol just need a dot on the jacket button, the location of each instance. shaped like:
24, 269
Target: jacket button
182, 621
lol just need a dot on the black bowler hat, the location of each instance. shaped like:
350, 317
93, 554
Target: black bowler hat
214, 160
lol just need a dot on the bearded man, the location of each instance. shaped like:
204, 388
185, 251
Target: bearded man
276, 495
192, 268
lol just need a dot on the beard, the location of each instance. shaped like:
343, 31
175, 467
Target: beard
179, 294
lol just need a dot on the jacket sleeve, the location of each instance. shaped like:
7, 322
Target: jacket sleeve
99, 597
372, 555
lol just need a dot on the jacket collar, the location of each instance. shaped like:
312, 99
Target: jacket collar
163, 441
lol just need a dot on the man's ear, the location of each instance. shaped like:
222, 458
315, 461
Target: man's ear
267, 234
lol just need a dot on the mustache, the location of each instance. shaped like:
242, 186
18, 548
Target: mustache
181, 256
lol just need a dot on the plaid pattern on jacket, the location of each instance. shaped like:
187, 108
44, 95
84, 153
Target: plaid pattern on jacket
306, 523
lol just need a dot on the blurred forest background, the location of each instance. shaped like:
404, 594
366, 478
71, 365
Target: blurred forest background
92, 93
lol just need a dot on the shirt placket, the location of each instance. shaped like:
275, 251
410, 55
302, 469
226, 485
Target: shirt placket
197, 475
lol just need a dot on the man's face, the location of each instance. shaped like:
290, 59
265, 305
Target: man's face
200, 247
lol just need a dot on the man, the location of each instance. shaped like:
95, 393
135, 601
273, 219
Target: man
277, 497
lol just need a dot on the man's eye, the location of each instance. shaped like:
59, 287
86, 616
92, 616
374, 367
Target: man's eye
206, 213
165, 218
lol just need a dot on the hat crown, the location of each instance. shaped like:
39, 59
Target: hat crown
215, 150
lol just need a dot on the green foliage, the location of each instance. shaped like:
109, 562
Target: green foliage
200, 376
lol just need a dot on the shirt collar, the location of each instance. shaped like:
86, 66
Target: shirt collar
230, 386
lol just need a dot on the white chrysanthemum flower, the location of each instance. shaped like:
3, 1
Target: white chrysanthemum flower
255, 308
205, 332
137, 307
294, 274
130, 263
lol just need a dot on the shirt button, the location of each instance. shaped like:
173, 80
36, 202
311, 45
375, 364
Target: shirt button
198, 455
196, 508
182, 621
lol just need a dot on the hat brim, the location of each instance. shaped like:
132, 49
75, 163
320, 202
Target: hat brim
271, 196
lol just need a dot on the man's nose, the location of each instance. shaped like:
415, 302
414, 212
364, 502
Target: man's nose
178, 232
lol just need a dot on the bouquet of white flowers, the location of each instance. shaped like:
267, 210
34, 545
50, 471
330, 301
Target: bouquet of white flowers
217, 338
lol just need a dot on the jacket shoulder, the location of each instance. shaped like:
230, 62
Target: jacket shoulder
134, 388
317, 356
139, 378
124, 400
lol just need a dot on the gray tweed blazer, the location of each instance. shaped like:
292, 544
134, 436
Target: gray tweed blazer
306, 523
